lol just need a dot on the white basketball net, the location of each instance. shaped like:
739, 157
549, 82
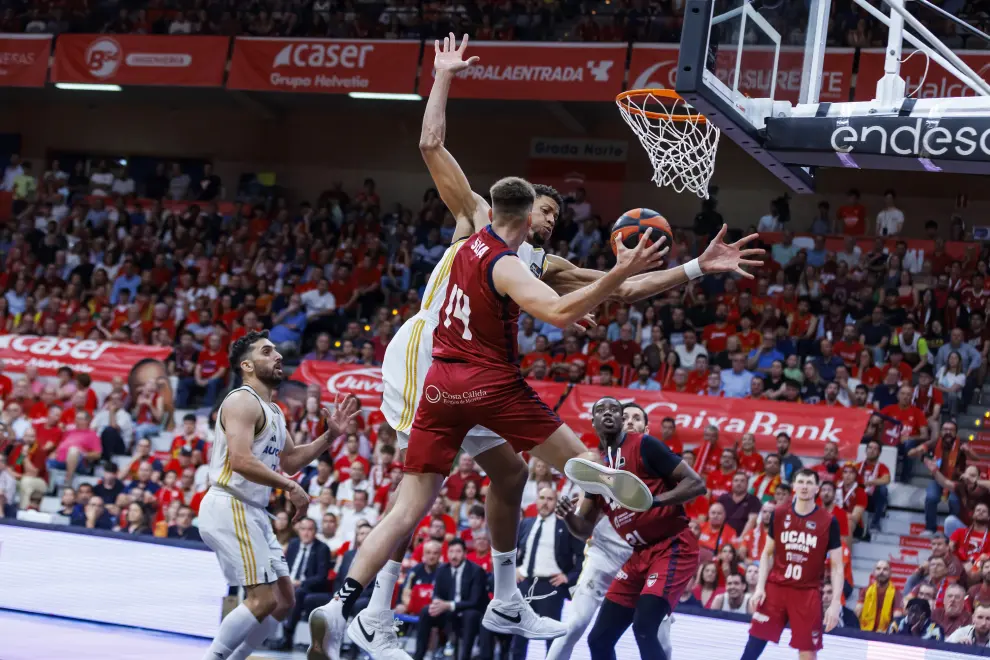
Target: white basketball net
680, 143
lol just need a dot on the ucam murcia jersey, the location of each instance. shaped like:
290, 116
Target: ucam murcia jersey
267, 447
801, 546
409, 354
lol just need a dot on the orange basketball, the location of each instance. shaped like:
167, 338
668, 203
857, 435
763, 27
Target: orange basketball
634, 224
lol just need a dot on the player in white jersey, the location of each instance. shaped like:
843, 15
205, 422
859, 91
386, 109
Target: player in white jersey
252, 445
604, 557
409, 354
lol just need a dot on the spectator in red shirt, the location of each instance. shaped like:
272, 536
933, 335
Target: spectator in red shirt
475, 525
708, 453
187, 438
914, 426
465, 472
70, 413
435, 532
849, 347
209, 375
482, 552
715, 335
971, 543
827, 494
625, 347
181, 462
874, 476
668, 433
852, 216
829, 469
6, 385
38, 411
719, 481
342, 466
437, 512
28, 463
851, 495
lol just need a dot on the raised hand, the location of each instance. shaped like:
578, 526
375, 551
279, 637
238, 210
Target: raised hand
644, 256
344, 410
450, 57
722, 257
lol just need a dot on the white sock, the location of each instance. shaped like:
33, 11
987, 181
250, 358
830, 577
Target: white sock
255, 639
504, 566
234, 629
381, 597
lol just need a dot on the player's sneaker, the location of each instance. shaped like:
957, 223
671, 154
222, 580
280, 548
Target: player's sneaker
374, 633
516, 617
624, 487
326, 631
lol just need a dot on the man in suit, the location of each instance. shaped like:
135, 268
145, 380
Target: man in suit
460, 597
549, 562
309, 563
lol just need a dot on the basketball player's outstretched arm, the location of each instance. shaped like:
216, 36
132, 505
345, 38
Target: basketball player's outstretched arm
470, 210
240, 415
294, 456
718, 257
511, 278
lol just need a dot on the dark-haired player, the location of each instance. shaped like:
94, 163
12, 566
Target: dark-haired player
665, 551
251, 448
802, 535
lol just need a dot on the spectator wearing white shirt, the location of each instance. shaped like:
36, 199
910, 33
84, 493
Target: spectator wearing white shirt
179, 182
101, 181
11, 172
15, 419
325, 504
771, 222
347, 489
527, 335
890, 221
123, 185
114, 425
977, 634
689, 351
580, 206
8, 483
350, 516
330, 532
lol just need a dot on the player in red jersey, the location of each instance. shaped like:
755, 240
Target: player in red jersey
665, 552
789, 588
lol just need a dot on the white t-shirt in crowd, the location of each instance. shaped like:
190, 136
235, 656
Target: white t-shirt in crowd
316, 302
890, 222
123, 186
102, 179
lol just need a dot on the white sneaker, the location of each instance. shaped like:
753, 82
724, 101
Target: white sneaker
624, 487
516, 617
374, 633
326, 630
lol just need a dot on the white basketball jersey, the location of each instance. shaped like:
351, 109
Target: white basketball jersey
266, 447
436, 287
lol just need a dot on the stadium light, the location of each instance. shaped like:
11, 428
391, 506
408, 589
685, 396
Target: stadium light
385, 97
88, 87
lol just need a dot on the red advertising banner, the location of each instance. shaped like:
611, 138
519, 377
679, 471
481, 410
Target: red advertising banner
920, 248
130, 59
329, 66
102, 360
655, 65
535, 71
810, 427
24, 59
923, 79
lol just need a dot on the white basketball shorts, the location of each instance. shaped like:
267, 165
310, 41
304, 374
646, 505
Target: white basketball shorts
242, 538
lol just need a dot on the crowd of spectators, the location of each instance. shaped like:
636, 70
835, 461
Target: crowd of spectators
898, 335
609, 21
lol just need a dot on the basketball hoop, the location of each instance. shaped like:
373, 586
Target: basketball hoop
681, 144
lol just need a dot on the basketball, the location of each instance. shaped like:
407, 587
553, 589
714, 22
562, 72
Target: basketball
635, 222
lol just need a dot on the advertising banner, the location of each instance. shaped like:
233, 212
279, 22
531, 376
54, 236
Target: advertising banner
809, 426
328, 66
131, 59
923, 79
24, 59
102, 360
536, 71
655, 65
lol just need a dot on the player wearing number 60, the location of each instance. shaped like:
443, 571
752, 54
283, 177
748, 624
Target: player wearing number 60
789, 590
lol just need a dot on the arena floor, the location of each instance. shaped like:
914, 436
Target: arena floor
36, 637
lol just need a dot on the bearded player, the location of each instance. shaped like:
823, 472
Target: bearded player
603, 559
251, 455
665, 551
408, 357
789, 588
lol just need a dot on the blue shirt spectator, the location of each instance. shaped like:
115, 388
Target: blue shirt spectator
827, 362
129, 280
585, 239
92, 516
762, 358
289, 323
737, 381
643, 381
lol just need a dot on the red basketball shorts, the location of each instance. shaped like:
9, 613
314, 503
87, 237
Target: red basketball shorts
458, 396
663, 570
801, 608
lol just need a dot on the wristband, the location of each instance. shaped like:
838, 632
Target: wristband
693, 269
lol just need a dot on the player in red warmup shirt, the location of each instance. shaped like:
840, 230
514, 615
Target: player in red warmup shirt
789, 588
665, 551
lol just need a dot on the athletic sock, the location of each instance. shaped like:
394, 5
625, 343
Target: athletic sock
754, 648
381, 597
348, 595
255, 639
504, 564
234, 629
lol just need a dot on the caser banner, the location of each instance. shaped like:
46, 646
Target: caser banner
102, 360
536, 71
24, 59
328, 66
132, 59
922, 79
810, 427
655, 66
